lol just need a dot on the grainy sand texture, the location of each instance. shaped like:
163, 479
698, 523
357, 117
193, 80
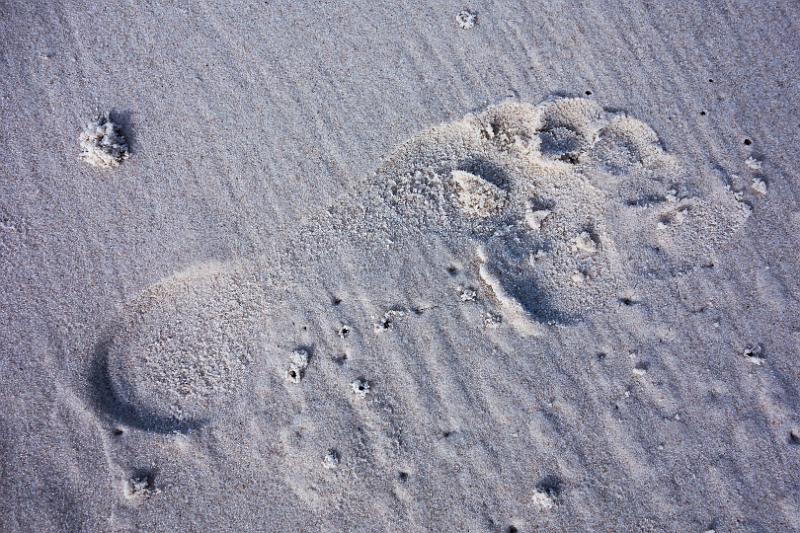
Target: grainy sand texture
373, 266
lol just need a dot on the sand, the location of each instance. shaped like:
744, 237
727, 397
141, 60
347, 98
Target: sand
399, 266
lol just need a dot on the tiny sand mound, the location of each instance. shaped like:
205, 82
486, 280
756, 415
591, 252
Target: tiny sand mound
102, 143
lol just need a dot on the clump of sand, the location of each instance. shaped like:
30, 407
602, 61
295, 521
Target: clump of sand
466, 19
102, 143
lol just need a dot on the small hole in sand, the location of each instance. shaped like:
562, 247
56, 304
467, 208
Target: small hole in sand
117, 432
702, 113
403, 476
601, 355
452, 270
360, 387
336, 301
551, 485
331, 459
627, 301
588, 93
141, 484
710, 80
512, 529
748, 142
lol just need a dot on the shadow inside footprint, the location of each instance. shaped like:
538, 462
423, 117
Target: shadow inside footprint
105, 400
487, 170
514, 277
563, 144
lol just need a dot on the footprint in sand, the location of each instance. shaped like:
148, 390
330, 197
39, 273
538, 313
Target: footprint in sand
182, 351
563, 202
558, 205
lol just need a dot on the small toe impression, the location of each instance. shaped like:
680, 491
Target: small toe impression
563, 144
627, 143
567, 128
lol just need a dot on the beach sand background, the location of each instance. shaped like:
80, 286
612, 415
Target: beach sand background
150, 314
